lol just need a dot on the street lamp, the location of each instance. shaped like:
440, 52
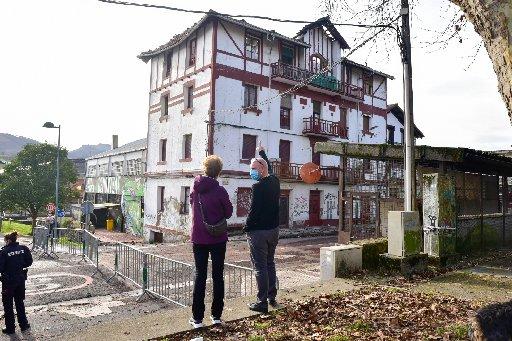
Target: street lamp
51, 125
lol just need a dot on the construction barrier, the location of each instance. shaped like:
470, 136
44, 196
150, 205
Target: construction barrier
40, 239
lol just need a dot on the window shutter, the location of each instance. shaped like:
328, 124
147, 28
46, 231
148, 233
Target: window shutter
248, 146
286, 101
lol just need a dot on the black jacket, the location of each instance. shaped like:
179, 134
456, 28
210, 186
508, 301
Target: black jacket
264, 212
13, 259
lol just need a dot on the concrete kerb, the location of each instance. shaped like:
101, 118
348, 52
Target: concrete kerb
175, 321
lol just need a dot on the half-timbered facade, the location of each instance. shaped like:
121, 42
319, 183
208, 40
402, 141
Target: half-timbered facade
224, 84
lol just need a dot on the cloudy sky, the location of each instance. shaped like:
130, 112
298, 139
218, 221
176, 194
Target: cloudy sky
74, 62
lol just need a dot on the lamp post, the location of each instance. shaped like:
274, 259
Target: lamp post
51, 125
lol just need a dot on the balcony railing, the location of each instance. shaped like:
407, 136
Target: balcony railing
316, 126
290, 171
297, 74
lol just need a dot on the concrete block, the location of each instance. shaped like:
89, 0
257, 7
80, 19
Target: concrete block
334, 260
404, 233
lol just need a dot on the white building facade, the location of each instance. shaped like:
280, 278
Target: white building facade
223, 85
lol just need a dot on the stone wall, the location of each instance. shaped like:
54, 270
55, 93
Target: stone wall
493, 22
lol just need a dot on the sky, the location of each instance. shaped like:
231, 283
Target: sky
73, 62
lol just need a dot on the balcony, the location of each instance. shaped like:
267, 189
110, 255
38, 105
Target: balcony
293, 74
319, 127
290, 171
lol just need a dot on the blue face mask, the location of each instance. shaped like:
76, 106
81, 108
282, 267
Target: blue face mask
255, 175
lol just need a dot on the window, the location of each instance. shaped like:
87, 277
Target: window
134, 167
192, 47
252, 47
366, 124
348, 74
317, 63
250, 96
285, 113
402, 136
103, 169
91, 170
163, 150
168, 63
117, 168
343, 118
287, 54
317, 109
161, 202
187, 147
189, 100
390, 134
248, 146
165, 105
243, 201
185, 200
368, 84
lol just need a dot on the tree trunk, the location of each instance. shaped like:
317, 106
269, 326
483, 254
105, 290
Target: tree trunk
33, 215
492, 20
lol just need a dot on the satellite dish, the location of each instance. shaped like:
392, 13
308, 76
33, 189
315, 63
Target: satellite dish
310, 173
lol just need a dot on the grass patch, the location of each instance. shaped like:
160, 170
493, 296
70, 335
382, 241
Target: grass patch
458, 330
10, 226
261, 325
360, 326
338, 338
255, 338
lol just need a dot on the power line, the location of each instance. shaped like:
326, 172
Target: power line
128, 3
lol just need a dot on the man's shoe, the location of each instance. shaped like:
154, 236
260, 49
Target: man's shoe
8, 331
23, 328
195, 324
216, 320
259, 307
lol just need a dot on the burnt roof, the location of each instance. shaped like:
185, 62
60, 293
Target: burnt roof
329, 26
179, 38
399, 114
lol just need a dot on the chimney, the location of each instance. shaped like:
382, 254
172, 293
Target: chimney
115, 141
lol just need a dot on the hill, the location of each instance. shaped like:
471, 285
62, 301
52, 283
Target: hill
10, 145
88, 150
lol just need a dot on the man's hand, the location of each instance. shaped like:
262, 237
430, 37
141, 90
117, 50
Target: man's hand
259, 148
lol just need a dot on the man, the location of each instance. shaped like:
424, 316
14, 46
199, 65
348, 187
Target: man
262, 229
14, 259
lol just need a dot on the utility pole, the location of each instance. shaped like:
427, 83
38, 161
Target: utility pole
409, 164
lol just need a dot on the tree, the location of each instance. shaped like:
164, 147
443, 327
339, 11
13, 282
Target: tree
491, 20
28, 182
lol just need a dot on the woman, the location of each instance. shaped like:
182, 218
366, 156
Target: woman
210, 203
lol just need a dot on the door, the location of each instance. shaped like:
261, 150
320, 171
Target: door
314, 208
284, 209
284, 155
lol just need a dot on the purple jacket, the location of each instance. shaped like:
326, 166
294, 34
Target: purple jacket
216, 205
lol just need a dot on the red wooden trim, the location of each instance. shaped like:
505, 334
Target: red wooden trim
303, 101
176, 103
201, 87
230, 37
182, 78
210, 147
245, 161
227, 53
199, 94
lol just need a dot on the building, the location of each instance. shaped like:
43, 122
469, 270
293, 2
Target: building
115, 184
80, 167
223, 85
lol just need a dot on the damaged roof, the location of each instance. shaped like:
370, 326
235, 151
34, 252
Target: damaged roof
179, 38
126, 148
367, 68
329, 26
399, 114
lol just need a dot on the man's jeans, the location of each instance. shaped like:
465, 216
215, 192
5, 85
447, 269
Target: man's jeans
262, 244
201, 253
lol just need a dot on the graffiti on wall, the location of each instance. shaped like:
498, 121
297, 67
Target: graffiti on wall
131, 204
330, 205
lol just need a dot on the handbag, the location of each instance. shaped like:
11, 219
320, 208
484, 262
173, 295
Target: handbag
215, 230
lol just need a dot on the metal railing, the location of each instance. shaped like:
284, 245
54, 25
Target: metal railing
66, 240
129, 263
317, 126
90, 248
170, 279
40, 239
291, 171
239, 281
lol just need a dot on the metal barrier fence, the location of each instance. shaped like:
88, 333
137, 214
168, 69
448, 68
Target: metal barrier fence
90, 248
66, 240
129, 263
170, 279
40, 239
238, 281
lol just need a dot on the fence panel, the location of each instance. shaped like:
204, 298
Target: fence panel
91, 248
40, 238
170, 279
238, 281
130, 263
66, 240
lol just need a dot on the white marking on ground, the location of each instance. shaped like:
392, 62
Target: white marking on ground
291, 278
45, 284
86, 307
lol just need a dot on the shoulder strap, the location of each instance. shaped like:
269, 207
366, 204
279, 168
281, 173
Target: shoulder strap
201, 208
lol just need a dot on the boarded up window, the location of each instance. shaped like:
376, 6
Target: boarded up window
189, 99
285, 113
185, 200
163, 149
368, 84
366, 124
192, 52
248, 146
243, 201
250, 96
187, 146
165, 105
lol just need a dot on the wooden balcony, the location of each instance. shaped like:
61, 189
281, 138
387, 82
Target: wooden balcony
297, 75
316, 126
290, 171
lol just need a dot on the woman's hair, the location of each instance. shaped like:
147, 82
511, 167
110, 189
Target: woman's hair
212, 166
11, 237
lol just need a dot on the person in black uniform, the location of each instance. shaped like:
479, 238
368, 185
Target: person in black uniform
14, 260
